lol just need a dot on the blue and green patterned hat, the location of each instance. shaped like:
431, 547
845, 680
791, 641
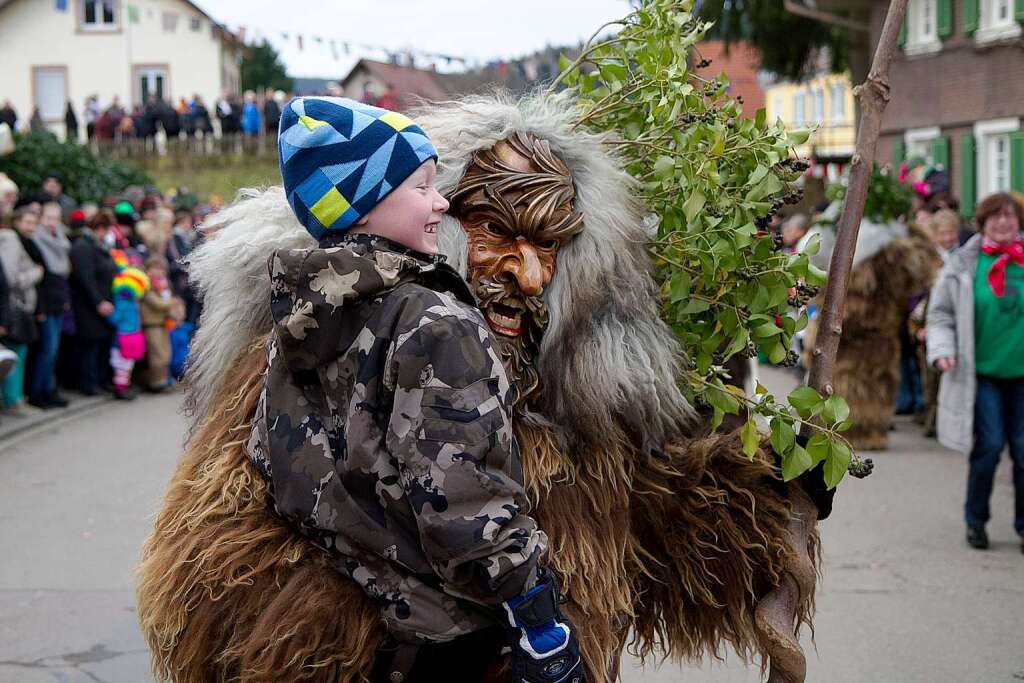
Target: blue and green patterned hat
339, 158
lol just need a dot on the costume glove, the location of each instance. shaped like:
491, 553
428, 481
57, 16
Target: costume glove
543, 641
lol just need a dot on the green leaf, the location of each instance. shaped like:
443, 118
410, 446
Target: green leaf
835, 410
837, 463
767, 187
813, 245
818, 447
766, 330
795, 463
695, 306
783, 437
716, 419
722, 400
799, 137
750, 437
806, 400
760, 389
680, 286
664, 166
694, 203
815, 276
757, 175
776, 352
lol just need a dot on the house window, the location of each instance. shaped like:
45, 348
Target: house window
996, 20
49, 89
837, 102
918, 142
98, 15
799, 115
993, 145
817, 106
195, 24
922, 27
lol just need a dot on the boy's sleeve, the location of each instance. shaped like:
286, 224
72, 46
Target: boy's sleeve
451, 432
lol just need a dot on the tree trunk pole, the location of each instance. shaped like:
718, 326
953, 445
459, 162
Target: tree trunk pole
776, 615
873, 96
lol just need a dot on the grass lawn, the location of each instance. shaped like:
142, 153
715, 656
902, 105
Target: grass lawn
223, 178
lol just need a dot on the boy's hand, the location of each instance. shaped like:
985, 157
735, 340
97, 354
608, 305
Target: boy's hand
105, 308
543, 641
945, 364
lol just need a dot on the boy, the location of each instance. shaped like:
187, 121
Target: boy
384, 426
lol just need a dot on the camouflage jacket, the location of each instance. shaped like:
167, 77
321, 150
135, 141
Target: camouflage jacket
384, 430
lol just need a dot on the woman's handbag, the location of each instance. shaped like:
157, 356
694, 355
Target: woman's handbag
21, 328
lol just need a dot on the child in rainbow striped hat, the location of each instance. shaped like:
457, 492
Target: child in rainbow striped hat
130, 285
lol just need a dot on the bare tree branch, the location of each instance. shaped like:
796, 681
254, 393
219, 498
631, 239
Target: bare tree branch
777, 613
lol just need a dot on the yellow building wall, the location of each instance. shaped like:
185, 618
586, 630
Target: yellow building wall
835, 131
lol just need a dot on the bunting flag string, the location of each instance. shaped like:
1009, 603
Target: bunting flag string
346, 47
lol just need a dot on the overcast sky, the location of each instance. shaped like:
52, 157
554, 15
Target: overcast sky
482, 30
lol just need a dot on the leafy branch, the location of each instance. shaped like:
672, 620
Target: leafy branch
712, 178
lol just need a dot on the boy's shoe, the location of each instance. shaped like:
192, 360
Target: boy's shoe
8, 359
977, 538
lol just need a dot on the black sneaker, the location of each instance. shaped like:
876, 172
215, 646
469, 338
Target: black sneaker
57, 401
40, 402
977, 538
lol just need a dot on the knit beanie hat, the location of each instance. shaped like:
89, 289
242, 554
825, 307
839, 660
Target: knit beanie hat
340, 158
130, 282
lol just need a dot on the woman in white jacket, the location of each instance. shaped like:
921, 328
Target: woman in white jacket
22, 277
975, 333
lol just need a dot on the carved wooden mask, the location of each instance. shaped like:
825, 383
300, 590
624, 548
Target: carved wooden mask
515, 203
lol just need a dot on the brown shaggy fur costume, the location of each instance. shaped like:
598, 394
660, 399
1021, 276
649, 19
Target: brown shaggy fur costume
867, 371
676, 549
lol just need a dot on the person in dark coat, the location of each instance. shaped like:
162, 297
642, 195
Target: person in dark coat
70, 124
92, 276
8, 115
271, 112
201, 117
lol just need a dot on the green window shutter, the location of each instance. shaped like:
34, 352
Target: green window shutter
968, 174
1018, 11
899, 152
940, 152
902, 39
1017, 161
944, 19
970, 16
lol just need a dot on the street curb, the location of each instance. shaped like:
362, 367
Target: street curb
11, 428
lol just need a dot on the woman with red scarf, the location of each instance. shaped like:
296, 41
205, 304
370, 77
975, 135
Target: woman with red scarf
975, 334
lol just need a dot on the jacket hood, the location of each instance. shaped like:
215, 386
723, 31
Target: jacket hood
317, 295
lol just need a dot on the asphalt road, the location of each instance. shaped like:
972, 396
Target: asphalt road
903, 599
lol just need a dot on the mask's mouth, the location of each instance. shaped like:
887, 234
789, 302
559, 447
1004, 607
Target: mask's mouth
506, 317
430, 228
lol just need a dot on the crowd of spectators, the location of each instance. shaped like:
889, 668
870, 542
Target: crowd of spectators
94, 297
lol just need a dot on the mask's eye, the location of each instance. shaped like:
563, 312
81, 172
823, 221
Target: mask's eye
548, 244
492, 230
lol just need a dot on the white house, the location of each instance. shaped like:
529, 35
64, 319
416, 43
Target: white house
57, 51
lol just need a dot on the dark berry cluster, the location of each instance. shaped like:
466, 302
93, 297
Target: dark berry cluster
791, 360
802, 294
797, 165
750, 351
862, 468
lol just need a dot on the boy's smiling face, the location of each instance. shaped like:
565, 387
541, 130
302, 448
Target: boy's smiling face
411, 213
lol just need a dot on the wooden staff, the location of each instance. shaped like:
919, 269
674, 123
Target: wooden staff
776, 614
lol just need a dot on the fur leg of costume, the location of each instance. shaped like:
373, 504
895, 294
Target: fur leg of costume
867, 364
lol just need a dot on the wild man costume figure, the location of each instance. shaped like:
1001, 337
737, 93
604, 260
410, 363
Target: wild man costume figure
350, 505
